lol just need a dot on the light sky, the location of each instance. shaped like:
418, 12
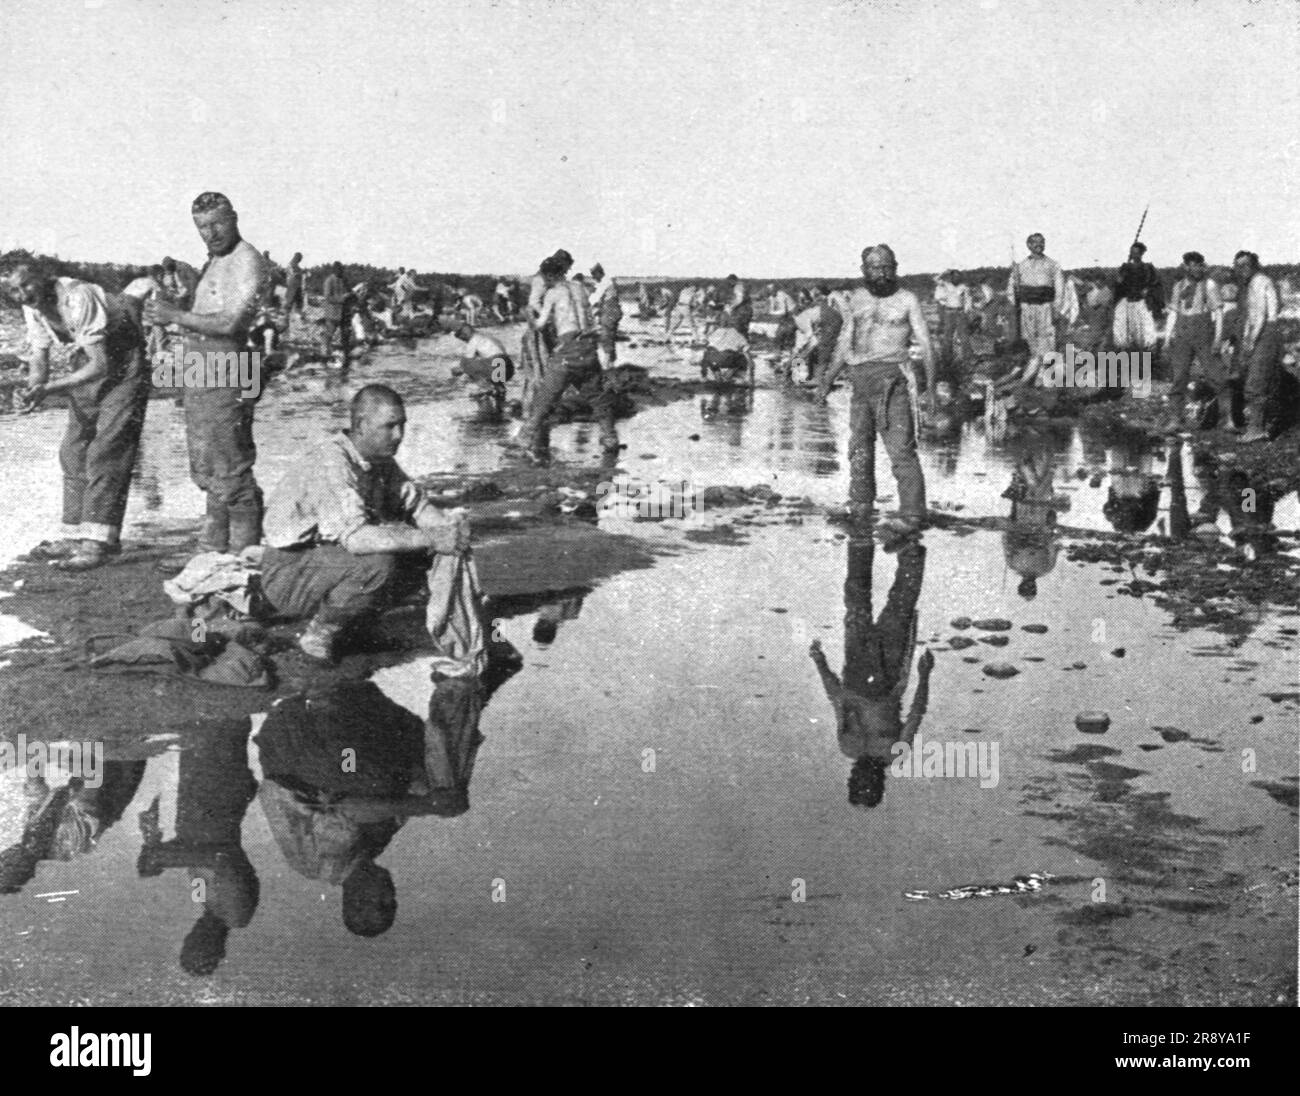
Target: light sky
774, 137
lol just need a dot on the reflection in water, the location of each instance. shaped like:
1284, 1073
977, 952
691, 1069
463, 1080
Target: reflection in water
724, 412
344, 768
1248, 503
877, 664
1134, 495
67, 820
214, 789
1029, 542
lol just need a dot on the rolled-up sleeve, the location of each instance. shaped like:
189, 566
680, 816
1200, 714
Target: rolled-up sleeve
87, 316
38, 333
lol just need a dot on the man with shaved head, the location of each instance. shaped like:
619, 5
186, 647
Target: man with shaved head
881, 322
219, 421
349, 534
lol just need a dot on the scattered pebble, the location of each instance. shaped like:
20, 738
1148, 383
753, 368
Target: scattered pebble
1036, 629
1172, 734
1000, 670
1118, 652
993, 624
995, 641
960, 623
1092, 722
960, 643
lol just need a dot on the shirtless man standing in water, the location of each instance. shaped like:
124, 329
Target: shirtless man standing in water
880, 323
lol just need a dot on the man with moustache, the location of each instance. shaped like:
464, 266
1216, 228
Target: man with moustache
219, 421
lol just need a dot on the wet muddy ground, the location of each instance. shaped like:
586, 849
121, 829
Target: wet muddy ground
659, 809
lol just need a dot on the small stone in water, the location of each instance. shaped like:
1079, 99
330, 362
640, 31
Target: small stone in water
960, 643
995, 641
1092, 722
1036, 629
960, 623
1118, 652
993, 624
1000, 670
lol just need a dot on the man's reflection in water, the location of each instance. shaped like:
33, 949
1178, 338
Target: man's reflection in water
345, 767
877, 664
1224, 487
66, 820
1029, 542
725, 412
1134, 495
214, 788
551, 615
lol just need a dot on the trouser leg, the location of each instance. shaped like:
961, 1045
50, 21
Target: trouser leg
592, 388
336, 587
548, 390
82, 417
862, 446
111, 453
219, 427
899, 435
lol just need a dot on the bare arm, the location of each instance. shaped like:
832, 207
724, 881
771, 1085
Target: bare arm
228, 323
921, 332
94, 367
372, 540
921, 700
830, 682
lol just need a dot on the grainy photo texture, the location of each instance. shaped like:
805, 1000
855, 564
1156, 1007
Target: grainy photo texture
538, 502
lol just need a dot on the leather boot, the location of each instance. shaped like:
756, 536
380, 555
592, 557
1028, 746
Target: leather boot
215, 536
245, 529
1227, 421
1255, 430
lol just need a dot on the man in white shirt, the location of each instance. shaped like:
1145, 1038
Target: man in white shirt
347, 531
1259, 345
1037, 289
955, 307
107, 392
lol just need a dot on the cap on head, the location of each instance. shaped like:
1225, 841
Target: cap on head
1139, 247
1190, 257
210, 200
1034, 236
598, 272
563, 258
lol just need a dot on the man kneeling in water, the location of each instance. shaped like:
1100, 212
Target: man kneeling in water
726, 354
486, 363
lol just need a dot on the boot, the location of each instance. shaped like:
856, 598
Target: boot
1255, 430
1227, 421
318, 640
1172, 423
245, 527
89, 555
215, 536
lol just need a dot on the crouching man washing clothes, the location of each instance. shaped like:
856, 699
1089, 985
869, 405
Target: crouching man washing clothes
348, 533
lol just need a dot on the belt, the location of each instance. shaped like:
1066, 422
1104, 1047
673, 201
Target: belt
1036, 294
